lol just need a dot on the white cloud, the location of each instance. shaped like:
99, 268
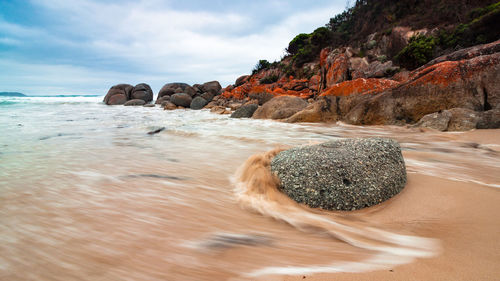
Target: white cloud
149, 39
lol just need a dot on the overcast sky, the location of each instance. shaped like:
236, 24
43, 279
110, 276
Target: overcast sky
86, 46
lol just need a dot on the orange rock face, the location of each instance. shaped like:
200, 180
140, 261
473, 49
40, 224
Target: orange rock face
338, 69
360, 86
285, 86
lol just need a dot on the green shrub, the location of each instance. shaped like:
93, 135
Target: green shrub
321, 37
299, 42
304, 55
419, 51
287, 69
261, 65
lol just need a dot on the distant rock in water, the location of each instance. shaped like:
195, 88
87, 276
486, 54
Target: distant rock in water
11, 94
121, 93
198, 103
118, 94
143, 92
181, 99
346, 174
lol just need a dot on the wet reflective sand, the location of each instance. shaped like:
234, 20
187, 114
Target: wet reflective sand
97, 198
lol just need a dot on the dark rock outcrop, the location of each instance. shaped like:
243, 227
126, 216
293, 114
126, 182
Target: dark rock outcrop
162, 100
118, 94
181, 99
142, 91
490, 119
198, 103
213, 87
246, 111
173, 88
346, 174
280, 108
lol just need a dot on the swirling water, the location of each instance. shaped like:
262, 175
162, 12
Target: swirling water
87, 194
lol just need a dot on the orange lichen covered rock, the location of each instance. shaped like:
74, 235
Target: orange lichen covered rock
314, 83
360, 86
442, 74
323, 57
285, 86
337, 70
469, 84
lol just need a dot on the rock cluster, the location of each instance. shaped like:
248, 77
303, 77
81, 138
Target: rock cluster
129, 95
346, 174
355, 90
457, 91
186, 96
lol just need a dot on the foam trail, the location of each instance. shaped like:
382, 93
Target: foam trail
257, 189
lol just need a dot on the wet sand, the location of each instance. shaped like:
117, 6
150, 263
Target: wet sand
103, 200
463, 216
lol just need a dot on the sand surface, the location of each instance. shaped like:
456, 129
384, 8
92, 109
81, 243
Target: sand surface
462, 215
103, 200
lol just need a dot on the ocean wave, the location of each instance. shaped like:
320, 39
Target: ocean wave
7, 102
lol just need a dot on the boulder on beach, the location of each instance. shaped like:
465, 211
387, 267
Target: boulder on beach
280, 108
246, 111
135, 102
324, 109
208, 96
213, 87
198, 103
167, 105
181, 99
173, 88
460, 119
261, 97
345, 174
142, 91
118, 94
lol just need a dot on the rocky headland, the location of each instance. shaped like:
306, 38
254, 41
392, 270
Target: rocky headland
403, 75
11, 94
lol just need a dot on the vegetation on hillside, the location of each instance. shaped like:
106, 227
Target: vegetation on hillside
462, 23
483, 26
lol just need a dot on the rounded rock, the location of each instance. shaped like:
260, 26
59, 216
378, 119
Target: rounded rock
198, 103
346, 174
181, 99
246, 111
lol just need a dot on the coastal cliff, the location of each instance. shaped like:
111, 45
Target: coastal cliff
426, 63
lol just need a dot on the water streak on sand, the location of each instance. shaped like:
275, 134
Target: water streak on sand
87, 194
257, 189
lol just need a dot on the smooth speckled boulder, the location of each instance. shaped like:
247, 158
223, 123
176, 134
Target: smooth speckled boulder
345, 174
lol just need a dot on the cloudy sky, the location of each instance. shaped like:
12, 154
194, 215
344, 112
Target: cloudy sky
85, 46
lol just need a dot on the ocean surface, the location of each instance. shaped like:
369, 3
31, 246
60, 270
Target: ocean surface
87, 194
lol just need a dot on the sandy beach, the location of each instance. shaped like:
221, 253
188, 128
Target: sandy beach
103, 200
462, 215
